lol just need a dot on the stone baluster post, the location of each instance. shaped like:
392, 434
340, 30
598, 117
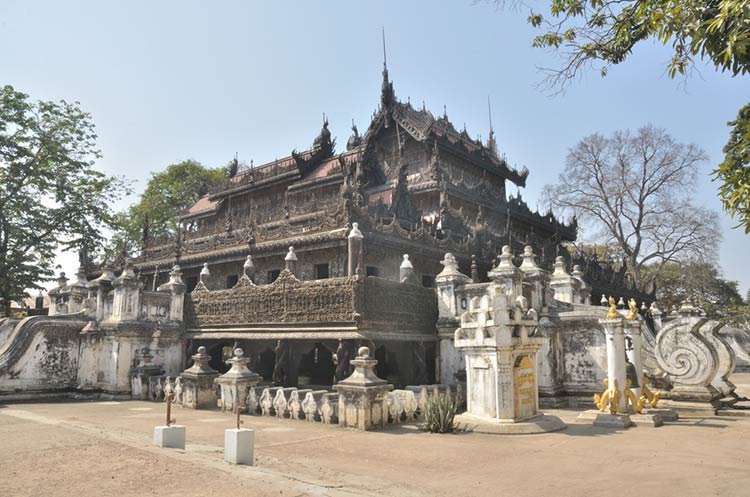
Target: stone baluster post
507, 275
356, 252
176, 288
657, 315
198, 382
126, 302
236, 382
362, 396
290, 261
406, 271
584, 290
79, 291
57, 295
534, 276
448, 282
204, 274
474, 269
102, 284
156, 278
565, 286
615, 339
248, 269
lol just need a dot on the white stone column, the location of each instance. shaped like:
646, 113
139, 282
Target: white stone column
356, 254
615, 338
632, 329
290, 261
449, 283
406, 271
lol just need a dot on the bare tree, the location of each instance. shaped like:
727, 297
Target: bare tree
635, 190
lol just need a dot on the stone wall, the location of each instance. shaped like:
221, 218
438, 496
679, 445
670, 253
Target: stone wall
91, 344
579, 345
41, 355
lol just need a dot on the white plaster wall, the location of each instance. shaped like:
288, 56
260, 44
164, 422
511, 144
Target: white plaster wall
451, 361
49, 363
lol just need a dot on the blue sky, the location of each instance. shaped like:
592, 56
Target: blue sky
170, 80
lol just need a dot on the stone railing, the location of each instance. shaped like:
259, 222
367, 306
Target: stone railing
404, 306
286, 300
320, 406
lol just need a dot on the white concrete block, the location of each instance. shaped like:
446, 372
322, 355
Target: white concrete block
238, 446
170, 436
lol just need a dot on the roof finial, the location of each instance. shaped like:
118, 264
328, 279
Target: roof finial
489, 110
387, 96
385, 64
445, 111
491, 142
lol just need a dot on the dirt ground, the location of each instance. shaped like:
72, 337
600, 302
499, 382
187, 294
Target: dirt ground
69, 449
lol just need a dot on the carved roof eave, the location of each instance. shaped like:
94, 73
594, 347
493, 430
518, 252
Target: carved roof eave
331, 179
420, 125
243, 249
566, 232
201, 214
484, 160
257, 185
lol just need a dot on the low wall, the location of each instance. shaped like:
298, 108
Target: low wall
53, 355
41, 355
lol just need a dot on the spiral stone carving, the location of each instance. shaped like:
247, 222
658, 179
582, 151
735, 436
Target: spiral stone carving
726, 355
684, 353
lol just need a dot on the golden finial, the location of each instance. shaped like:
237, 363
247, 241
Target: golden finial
633, 314
612, 314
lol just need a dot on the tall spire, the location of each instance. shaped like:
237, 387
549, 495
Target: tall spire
387, 96
491, 143
385, 57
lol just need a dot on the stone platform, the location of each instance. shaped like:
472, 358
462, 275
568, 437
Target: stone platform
542, 423
605, 419
668, 415
649, 418
689, 409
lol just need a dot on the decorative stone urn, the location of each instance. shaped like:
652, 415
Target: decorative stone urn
362, 396
198, 382
236, 382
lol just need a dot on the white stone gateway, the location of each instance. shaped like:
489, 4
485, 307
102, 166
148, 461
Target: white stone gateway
495, 336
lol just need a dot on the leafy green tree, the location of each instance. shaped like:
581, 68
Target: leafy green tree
167, 196
603, 33
698, 282
734, 171
51, 196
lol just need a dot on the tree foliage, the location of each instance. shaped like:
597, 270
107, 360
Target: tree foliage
167, 196
734, 171
51, 196
698, 282
635, 189
605, 32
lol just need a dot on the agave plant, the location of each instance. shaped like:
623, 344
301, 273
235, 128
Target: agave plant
439, 412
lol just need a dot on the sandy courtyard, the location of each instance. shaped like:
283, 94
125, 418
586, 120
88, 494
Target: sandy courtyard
103, 449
